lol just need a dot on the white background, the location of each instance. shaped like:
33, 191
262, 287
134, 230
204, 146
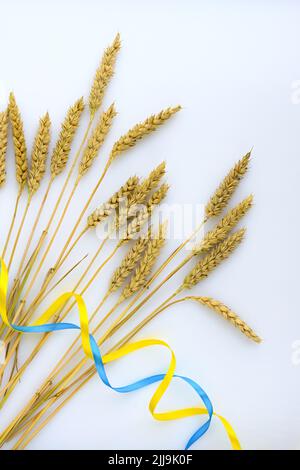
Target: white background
232, 66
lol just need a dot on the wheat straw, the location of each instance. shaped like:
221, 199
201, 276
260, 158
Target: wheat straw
3, 145
62, 148
103, 75
39, 154
224, 192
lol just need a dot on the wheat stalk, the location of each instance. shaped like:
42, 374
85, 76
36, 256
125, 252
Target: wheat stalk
228, 314
103, 75
213, 259
113, 202
3, 145
19, 142
62, 148
221, 230
140, 130
39, 154
146, 264
224, 192
96, 140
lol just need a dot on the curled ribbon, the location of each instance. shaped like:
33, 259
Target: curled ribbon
92, 351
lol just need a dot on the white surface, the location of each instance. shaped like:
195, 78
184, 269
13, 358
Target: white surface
233, 66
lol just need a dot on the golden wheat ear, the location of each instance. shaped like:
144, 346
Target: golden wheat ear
3, 145
146, 264
228, 314
96, 140
39, 154
62, 149
218, 254
19, 142
103, 75
225, 190
226, 224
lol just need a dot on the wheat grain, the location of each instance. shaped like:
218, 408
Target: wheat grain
3, 145
129, 262
62, 148
103, 75
96, 140
140, 130
113, 202
229, 315
225, 190
221, 230
213, 259
39, 154
146, 264
19, 142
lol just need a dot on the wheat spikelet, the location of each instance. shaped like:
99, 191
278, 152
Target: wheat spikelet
146, 264
19, 142
96, 140
62, 148
213, 259
129, 262
112, 204
3, 145
39, 154
229, 315
221, 230
103, 75
137, 223
223, 193
140, 130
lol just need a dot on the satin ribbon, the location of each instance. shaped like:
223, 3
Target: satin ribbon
92, 351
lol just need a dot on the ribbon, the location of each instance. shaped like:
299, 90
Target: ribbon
92, 351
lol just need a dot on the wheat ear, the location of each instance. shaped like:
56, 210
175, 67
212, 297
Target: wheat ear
224, 192
3, 145
221, 230
140, 130
228, 314
62, 148
19, 142
96, 140
113, 202
213, 259
129, 262
137, 223
146, 264
103, 75
39, 154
